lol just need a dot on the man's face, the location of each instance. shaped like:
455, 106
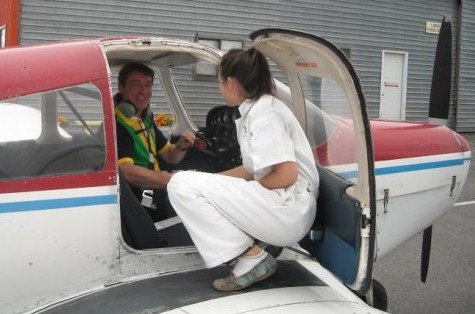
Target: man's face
137, 90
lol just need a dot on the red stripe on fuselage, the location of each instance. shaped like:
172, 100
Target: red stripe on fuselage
76, 181
391, 140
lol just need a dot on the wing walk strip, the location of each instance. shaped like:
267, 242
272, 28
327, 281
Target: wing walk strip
48, 204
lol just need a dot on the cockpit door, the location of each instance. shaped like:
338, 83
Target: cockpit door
326, 96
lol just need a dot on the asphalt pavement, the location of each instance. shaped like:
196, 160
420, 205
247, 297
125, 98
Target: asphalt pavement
450, 285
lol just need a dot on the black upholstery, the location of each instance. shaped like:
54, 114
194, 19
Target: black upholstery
138, 228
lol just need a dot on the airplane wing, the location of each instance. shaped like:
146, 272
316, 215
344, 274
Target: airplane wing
295, 288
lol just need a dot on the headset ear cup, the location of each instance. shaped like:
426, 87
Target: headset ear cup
127, 108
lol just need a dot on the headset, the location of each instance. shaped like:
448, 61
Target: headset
128, 108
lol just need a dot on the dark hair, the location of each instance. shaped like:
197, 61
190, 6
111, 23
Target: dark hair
134, 67
250, 68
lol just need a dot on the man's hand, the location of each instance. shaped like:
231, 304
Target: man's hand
187, 140
178, 150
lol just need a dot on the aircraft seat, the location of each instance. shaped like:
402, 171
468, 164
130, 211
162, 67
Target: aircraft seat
138, 229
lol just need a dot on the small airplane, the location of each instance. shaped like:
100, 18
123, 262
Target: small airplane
76, 240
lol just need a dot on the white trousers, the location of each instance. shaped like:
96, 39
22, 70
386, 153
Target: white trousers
224, 215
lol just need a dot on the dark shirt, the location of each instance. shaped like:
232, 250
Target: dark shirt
127, 148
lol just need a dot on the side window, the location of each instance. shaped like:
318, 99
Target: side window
198, 96
52, 133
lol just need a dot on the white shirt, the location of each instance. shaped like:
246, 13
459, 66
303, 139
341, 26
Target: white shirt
269, 134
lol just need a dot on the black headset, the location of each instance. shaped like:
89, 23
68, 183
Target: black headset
128, 108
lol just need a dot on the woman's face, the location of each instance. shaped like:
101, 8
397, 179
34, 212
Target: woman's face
231, 90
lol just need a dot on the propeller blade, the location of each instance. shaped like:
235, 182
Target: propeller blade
425, 257
439, 102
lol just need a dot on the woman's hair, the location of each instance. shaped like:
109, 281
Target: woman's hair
250, 68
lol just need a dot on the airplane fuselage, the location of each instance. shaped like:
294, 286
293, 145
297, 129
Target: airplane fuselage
62, 201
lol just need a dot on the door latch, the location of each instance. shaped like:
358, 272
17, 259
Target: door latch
386, 200
452, 187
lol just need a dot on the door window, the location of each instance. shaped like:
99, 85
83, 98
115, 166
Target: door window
52, 133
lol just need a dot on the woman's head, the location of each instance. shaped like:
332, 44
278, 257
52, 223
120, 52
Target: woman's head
250, 69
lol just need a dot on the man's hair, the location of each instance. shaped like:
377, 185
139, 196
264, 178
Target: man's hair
134, 67
250, 68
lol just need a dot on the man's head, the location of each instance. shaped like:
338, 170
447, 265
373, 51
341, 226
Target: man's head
135, 85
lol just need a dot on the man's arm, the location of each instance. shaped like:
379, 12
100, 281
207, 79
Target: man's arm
177, 151
143, 177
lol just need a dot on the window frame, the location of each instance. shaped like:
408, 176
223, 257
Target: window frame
221, 43
3, 36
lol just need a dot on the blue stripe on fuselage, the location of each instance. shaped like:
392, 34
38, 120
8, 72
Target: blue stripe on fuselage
57, 203
408, 168
112, 198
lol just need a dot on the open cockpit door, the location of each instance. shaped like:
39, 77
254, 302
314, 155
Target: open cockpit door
326, 97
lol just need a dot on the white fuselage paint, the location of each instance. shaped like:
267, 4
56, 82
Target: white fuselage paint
419, 190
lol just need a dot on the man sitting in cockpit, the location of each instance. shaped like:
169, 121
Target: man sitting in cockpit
139, 141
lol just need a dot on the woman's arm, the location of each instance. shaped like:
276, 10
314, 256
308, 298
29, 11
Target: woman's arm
283, 175
238, 172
